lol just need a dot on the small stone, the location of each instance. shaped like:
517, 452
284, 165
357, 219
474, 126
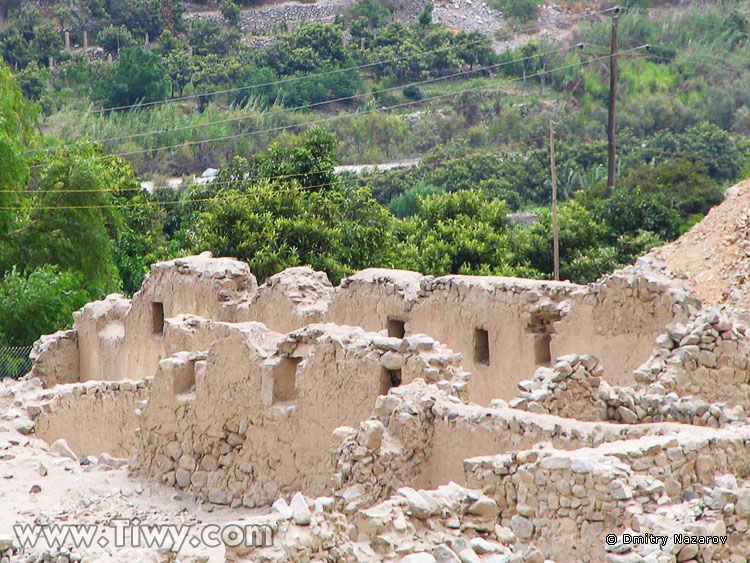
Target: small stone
484, 507
371, 434
182, 476
504, 535
443, 554
582, 465
24, 427
392, 360
282, 508
418, 558
627, 415
42, 469
522, 527
107, 460
61, 447
687, 552
418, 504
482, 546
300, 511
35, 489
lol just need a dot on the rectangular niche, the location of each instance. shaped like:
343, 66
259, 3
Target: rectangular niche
481, 346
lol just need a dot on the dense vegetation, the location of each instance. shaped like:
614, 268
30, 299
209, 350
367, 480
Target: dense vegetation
74, 223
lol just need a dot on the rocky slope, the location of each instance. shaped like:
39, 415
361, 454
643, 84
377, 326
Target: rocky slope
714, 256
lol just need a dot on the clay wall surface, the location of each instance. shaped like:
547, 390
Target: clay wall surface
513, 315
54, 358
505, 328
620, 316
94, 417
290, 300
255, 413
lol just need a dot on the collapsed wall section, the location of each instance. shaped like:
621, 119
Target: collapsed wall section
566, 501
620, 316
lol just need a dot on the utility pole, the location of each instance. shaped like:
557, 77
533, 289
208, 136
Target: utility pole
553, 171
612, 124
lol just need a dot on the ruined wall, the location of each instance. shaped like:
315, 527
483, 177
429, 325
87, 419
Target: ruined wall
707, 358
565, 502
94, 417
619, 317
574, 388
427, 434
54, 358
253, 417
290, 300
501, 325
505, 327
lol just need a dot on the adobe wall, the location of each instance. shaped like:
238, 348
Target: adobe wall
54, 358
289, 300
253, 417
505, 327
515, 316
620, 316
94, 417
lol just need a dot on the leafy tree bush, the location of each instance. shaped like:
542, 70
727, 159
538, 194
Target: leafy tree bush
405, 204
425, 17
461, 232
413, 92
17, 123
136, 77
70, 221
209, 37
684, 185
41, 301
230, 12
114, 38
32, 80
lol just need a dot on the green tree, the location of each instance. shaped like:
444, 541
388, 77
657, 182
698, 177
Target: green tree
136, 77
425, 17
114, 38
71, 220
32, 80
17, 124
41, 301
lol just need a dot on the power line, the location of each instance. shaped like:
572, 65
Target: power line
219, 195
343, 98
364, 112
246, 179
329, 72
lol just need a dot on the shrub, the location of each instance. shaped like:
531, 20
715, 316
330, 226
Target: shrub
113, 38
520, 11
413, 92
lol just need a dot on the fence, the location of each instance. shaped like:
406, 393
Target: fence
14, 361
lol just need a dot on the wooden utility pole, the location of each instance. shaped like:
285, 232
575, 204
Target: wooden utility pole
612, 124
553, 171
